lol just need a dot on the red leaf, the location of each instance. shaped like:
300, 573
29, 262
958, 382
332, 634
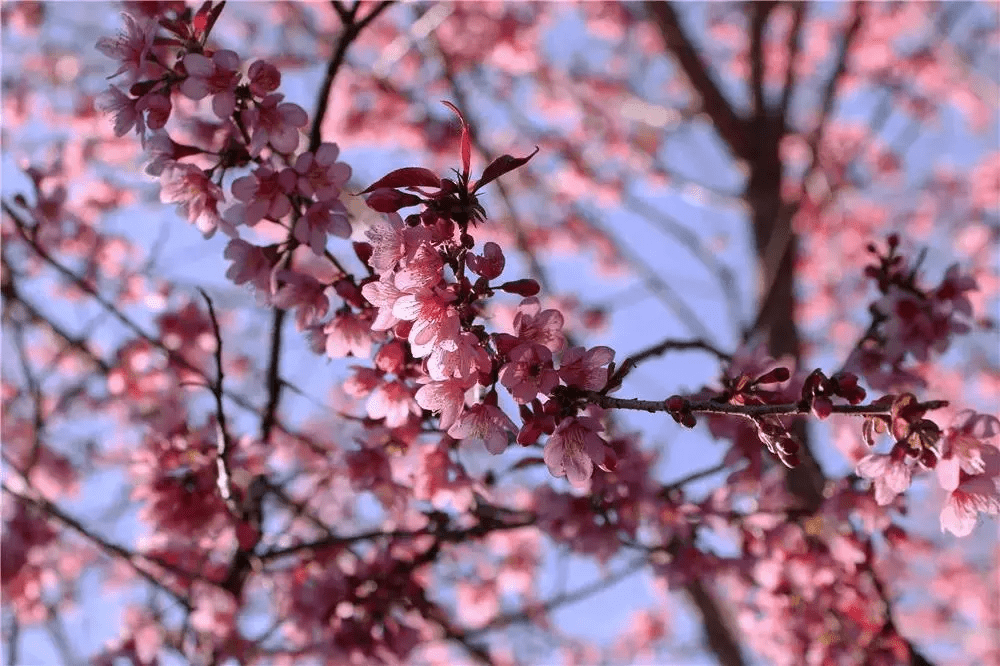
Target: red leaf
405, 177
466, 140
525, 287
200, 20
214, 16
500, 166
385, 200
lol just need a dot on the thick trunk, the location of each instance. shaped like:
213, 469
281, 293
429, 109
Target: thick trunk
776, 248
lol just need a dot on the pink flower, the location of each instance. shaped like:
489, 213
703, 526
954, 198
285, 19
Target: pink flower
251, 263
890, 473
129, 47
422, 270
490, 265
574, 447
157, 107
274, 123
433, 317
529, 372
461, 357
383, 294
264, 78
265, 193
320, 219
306, 294
126, 115
977, 494
391, 241
362, 382
963, 452
392, 401
532, 324
386, 237
347, 334
446, 398
214, 611
217, 77
953, 289
486, 423
24, 530
586, 368
320, 174
197, 196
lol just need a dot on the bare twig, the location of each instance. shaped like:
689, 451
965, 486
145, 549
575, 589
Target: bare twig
659, 349
121, 552
352, 29
223, 442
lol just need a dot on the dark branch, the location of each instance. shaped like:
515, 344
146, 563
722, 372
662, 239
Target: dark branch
731, 127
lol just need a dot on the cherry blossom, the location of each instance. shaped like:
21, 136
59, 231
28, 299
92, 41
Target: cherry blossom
486, 423
216, 76
575, 447
446, 398
304, 293
490, 264
890, 473
264, 78
320, 174
276, 123
529, 372
584, 368
196, 196
251, 264
124, 108
265, 193
977, 494
433, 317
461, 357
347, 334
532, 324
319, 220
292, 506
130, 47
393, 402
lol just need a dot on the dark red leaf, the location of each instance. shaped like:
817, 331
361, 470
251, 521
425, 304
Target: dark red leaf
214, 16
500, 166
466, 140
385, 200
200, 20
405, 177
524, 287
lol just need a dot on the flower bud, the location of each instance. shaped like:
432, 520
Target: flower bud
674, 403
526, 287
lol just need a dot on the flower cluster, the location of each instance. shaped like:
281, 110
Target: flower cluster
908, 320
252, 117
327, 537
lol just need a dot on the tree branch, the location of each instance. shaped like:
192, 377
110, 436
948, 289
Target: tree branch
732, 128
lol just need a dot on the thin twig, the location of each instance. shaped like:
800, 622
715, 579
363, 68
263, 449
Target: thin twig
54, 511
670, 344
223, 442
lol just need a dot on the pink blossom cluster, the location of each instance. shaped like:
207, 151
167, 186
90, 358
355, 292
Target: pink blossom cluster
908, 320
445, 377
302, 193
